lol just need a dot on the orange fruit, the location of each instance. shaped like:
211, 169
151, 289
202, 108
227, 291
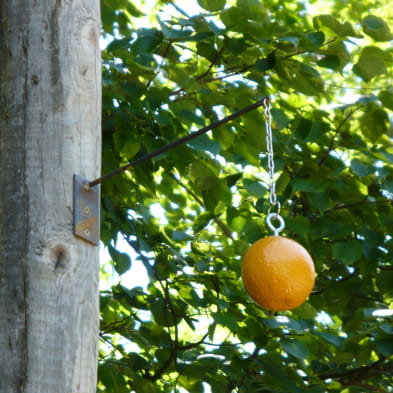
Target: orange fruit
278, 273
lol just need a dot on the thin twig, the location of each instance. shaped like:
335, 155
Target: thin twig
212, 64
354, 204
217, 220
356, 375
164, 55
338, 129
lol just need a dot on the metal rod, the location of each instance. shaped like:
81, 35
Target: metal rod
174, 144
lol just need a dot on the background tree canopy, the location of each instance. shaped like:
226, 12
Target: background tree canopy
172, 67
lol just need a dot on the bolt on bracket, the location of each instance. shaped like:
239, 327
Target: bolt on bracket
86, 210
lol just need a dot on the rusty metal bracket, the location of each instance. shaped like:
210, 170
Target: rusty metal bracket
86, 210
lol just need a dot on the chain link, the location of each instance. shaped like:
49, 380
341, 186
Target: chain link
274, 203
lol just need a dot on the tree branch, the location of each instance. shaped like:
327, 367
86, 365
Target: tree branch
338, 129
212, 64
217, 220
358, 375
354, 204
164, 55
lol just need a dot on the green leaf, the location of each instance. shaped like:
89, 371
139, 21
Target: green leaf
330, 61
224, 136
121, 260
320, 201
308, 185
296, 348
301, 77
385, 346
136, 361
347, 252
235, 45
282, 182
180, 236
318, 129
118, 44
307, 80
386, 97
336, 50
141, 385
228, 16
299, 225
204, 174
374, 124
250, 9
204, 143
302, 127
342, 29
360, 168
253, 188
388, 186
335, 340
171, 33
312, 40
288, 44
163, 313
216, 194
376, 28
147, 41
371, 63
207, 50
202, 221
212, 5
190, 116
226, 319
280, 118
249, 150
236, 220
265, 64
367, 99
126, 143
232, 179
106, 374
385, 282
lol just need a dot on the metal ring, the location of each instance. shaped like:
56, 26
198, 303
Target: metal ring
275, 217
276, 205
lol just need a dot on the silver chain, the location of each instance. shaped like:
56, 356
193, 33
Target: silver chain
274, 203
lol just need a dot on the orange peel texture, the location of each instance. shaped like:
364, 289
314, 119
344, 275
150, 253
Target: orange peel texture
278, 273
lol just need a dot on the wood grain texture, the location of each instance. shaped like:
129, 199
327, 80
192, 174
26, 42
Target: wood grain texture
50, 111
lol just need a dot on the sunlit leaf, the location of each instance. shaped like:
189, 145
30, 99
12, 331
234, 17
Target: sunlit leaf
386, 96
376, 28
371, 63
341, 28
212, 5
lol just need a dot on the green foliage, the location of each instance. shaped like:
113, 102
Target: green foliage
174, 68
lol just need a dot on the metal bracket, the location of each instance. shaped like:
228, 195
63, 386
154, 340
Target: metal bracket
86, 210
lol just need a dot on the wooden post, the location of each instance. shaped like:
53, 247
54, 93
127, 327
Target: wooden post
50, 111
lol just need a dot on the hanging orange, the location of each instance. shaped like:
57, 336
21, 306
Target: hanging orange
278, 273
